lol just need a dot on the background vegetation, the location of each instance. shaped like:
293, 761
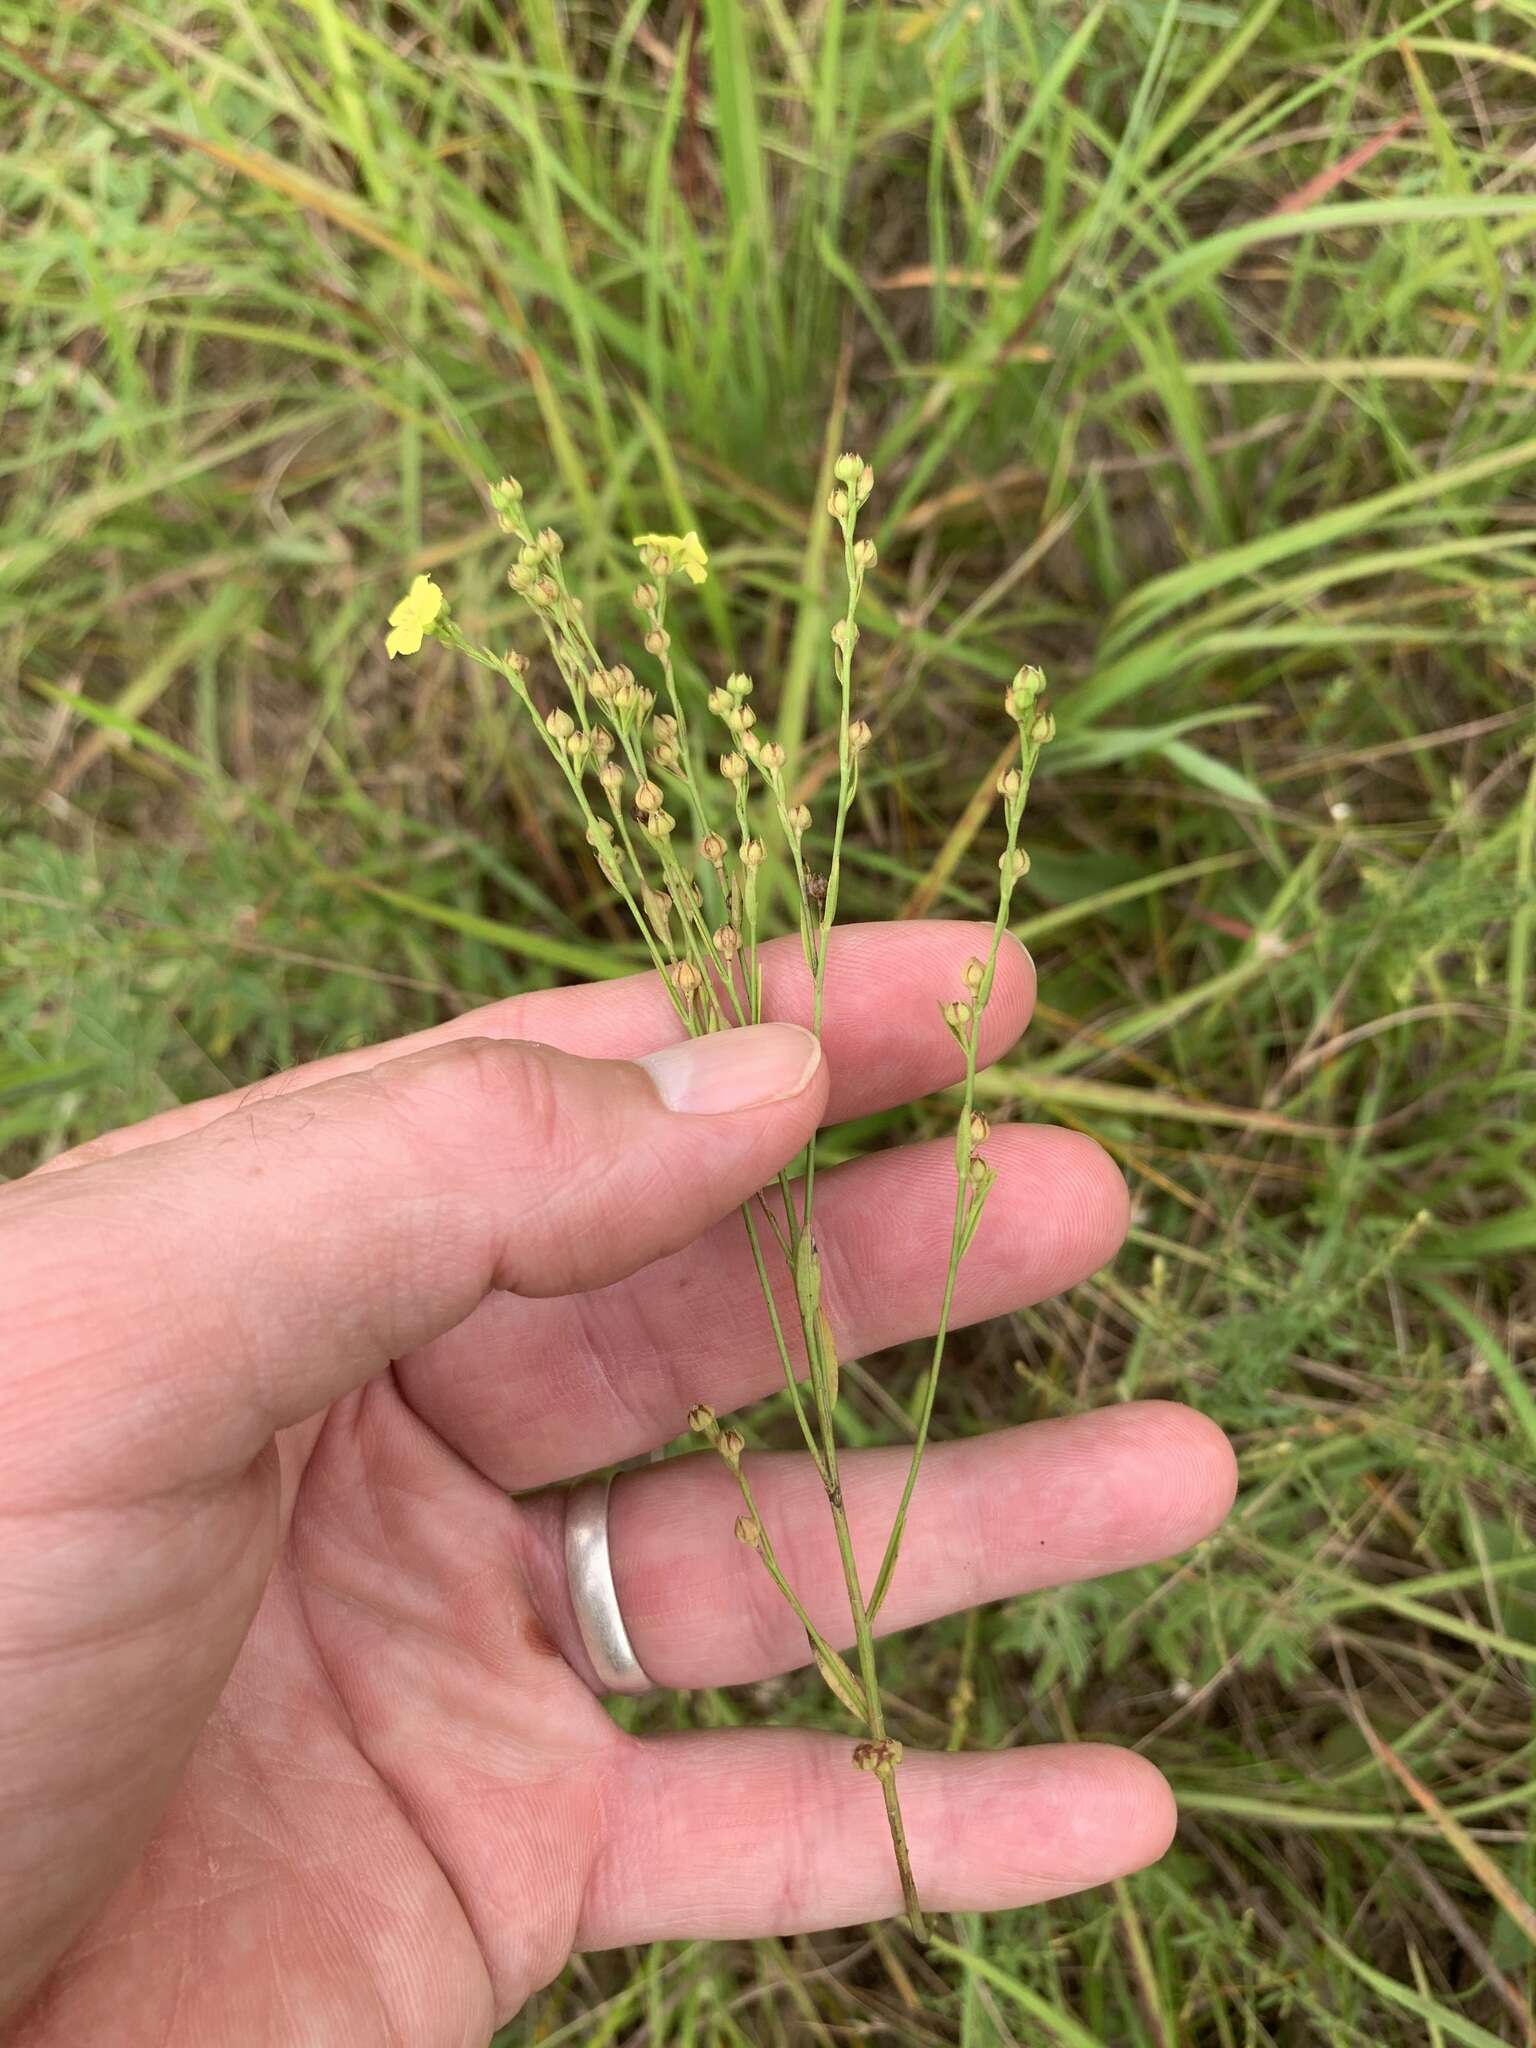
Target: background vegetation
1194, 346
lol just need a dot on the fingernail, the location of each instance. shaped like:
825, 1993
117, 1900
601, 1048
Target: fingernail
743, 1068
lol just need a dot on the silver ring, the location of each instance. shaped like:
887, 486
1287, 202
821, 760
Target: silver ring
589, 1571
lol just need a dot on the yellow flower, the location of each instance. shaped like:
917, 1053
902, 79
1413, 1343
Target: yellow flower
684, 551
412, 616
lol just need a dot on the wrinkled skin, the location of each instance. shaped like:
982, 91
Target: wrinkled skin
300, 1740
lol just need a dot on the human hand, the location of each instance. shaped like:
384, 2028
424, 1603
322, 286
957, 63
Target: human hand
300, 1740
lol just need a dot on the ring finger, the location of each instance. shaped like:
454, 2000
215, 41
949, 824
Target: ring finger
999, 1515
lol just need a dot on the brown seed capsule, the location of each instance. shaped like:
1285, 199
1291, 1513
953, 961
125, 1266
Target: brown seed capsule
516, 664
621, 673
1010, 782
749, 1532
658, 640
686, 979
664, 726
560, 725
727, 942
659, 824
701, 1418
771, 757
957, 1016
600, 683
859, 735
975, 974
882, 1756
545, 592
611, 779
979, 1170
865, 484
752, 853
602, 743
844, 636
865, 554
981, 1130
521, 577
578, 746
733, 767
798, 819
1042, 729
1014, 865
648, 798
644, 595
732, 1444
712, 848
665, 756
550, 541
837, 504
741, 717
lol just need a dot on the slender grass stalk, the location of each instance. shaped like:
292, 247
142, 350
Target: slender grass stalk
642, 761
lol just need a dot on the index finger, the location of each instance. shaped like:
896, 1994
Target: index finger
883, 1036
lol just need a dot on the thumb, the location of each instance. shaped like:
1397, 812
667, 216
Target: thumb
174, 1305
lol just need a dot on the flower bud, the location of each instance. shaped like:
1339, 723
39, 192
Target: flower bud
865, 554
978, 1172
847, 468
732, 1444
733, 767
644, 596
740, 717
560, 725
845, 636
520, 577
701, 1419
551, 542
752, 853
957, 1016
770, 757
657, 641
665, 756
545, 592
864, 486
798, 819
611, 778
659, 824
578, 746
516, 664
738, 684
1014, 865
1042, 729
602, 743
837, 504
1009, 783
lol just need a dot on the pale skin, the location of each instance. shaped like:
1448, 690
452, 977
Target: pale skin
299, 1742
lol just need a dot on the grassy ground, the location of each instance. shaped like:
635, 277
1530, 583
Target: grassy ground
1195, 347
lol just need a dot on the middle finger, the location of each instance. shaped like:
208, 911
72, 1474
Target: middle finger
531, 1391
